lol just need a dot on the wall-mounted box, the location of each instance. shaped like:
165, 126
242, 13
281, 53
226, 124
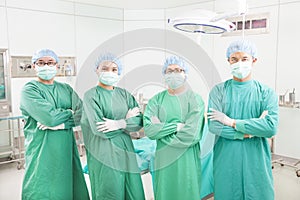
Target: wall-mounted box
21, 67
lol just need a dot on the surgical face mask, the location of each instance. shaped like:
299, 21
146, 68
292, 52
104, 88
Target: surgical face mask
108, 78
241, 69
46, 72
175, 80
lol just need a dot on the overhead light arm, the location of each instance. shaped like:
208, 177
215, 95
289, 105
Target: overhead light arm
242, 10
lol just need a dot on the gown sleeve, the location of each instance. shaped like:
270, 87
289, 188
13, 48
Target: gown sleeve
215, 127
156, 131
35, 105
189, 135
262, 127
191, 132
76, 108
133, 124
92, 113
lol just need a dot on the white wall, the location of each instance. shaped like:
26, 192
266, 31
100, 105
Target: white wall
3, 30
288, 70
143, 56
70, 29
288, 137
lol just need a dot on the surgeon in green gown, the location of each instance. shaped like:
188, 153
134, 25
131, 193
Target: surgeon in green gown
175, 119
110, 113
243, 114
51, 109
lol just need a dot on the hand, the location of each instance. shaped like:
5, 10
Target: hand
133, 112
179, 126
221, 117
108, 125
155, 120
263, 114
43, 127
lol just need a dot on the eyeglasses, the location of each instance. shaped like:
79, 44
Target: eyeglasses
176, 71
235, 60
42, 63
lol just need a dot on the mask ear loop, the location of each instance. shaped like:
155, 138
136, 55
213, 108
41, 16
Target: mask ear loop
185, 77
165, 83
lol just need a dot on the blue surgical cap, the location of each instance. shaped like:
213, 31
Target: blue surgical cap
44, 53
242, 46
174, 60
109, 57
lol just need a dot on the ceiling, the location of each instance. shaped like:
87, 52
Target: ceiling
141, 4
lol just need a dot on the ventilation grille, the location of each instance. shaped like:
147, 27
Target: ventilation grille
254, 24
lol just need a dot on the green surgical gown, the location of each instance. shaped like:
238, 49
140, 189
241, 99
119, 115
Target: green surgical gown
177, 162
242, 166
113, 169
52, 166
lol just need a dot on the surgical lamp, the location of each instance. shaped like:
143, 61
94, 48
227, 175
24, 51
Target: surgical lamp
207, 22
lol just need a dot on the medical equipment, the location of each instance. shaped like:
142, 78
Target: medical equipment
285, 145
12, 144
5, 107
292, 97
286, 161
281, 100
208, 22
291, 101
201, 21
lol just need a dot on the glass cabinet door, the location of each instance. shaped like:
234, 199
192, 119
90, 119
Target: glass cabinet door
2, 77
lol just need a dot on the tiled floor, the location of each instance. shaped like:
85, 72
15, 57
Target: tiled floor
287, 184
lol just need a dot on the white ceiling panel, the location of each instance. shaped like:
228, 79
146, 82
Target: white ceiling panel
140, 4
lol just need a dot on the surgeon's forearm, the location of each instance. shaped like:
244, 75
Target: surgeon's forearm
158, 131
258, 127
224, 131
182, 141
54, 117
69, 123
191, 133
134, 124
